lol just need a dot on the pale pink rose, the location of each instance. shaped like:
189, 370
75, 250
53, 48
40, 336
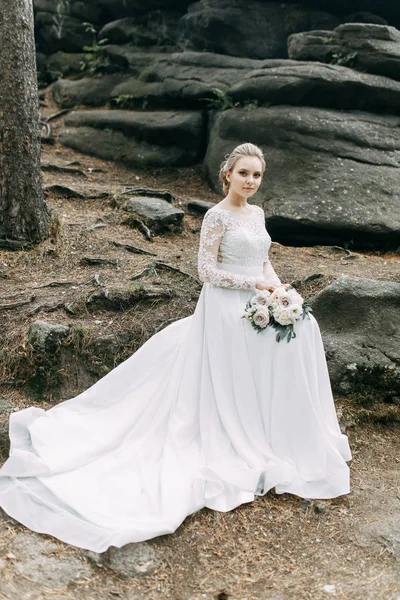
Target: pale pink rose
261, 317
278, 292
284, 300
262, 298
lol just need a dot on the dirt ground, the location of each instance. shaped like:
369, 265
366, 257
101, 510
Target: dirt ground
276, 548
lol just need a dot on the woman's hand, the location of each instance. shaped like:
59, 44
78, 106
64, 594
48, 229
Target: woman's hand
263, 284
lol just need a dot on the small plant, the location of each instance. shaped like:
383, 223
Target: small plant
124, 101
62, 9
221, 101
248, 104
224, 101
94, 59
344, 59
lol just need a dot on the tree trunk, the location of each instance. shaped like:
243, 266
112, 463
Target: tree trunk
24, 215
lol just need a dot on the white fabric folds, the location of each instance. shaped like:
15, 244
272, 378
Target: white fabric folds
207, 412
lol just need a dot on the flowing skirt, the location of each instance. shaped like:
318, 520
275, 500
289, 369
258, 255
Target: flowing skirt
207, 413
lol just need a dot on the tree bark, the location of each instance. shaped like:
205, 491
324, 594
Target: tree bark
24, 215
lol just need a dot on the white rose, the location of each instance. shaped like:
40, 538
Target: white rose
261, 317
283, 316
295, 311
295, 297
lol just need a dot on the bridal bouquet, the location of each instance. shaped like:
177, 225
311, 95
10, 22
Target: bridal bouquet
279, 309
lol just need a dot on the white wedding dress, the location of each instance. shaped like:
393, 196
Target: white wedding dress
207, 412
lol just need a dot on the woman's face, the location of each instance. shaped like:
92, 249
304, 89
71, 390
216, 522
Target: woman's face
246, 176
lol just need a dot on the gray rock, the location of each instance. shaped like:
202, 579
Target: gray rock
363, 46
88, 91
47, 337
54, 32
364, 16
178, 80
142, 191
5, 410
383, 532
43, 561
128, 8
108, 344
120, 298
4, 438
133, 560
84, 11
247, 27
200, 206
150, 28
317, 84
5, 405
159, 215
96, 558
380, 526
342, 187
64, 63
140, 139
359, 320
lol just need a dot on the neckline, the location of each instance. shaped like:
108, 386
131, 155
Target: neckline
233, 212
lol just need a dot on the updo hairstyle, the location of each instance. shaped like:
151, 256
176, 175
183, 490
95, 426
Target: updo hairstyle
246, 149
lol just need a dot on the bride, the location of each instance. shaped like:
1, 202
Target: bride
207, 413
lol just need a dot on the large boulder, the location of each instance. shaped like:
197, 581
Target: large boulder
139, 139
364, 46
317, 84
248, 27
83, 11
55, 33
360, 323
332, 177
60, 25
157, 80
364, 16
89, 91
57, 65
116, 9
155, 28
197, 80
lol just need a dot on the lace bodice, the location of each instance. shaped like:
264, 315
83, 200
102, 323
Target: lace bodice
228, 237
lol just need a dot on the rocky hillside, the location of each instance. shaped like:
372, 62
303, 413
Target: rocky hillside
315, 84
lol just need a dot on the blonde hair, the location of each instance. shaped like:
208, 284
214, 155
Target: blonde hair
246, 149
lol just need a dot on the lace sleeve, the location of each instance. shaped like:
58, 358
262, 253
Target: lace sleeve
212, 230
269, 272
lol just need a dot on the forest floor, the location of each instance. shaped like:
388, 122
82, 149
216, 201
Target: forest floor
275, 548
